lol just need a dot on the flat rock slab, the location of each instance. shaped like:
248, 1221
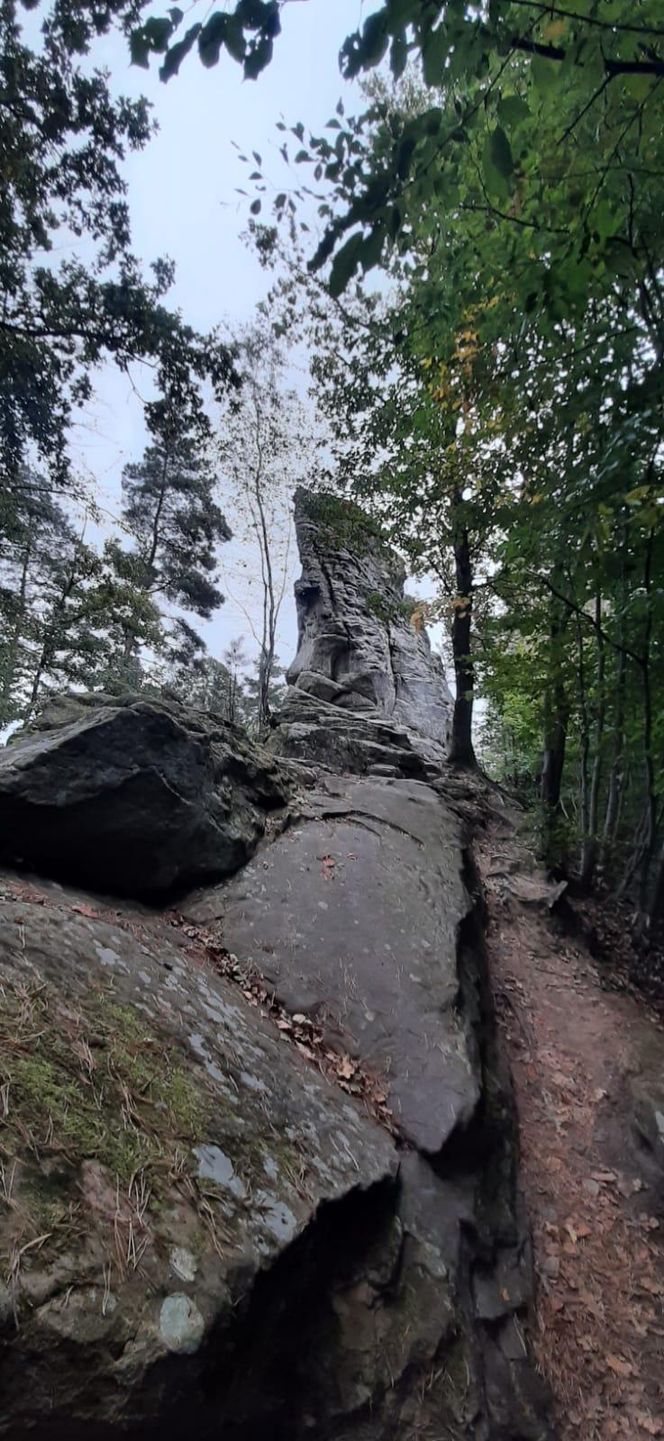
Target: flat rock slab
353, 915
162, 1146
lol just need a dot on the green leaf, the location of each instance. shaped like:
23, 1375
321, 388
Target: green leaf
545, 73
399, 54
404, 156
435, 49
500, 152
374, 39
345, 264
638, 86
234, 40
158, 32
604, 220
258, 57
372, 248
139, 49
176, 53
513, 110
211, 38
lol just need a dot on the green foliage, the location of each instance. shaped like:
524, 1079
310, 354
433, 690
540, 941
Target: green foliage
504, 396
69, 1097
63, 139
345, 524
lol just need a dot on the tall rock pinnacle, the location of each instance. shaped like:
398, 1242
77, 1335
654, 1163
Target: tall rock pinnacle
359, 642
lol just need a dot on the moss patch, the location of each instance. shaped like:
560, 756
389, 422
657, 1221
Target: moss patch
344, 523
91, 1084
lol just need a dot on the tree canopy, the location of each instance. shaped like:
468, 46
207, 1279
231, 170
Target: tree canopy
483, 306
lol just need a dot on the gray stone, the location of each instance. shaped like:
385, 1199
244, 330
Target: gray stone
647, 1093
381, 961
358, 645
313, 730
153, 1194
228, 1243
135, 796
181, 1325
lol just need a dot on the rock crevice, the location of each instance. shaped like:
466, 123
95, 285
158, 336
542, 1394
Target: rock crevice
262, 1151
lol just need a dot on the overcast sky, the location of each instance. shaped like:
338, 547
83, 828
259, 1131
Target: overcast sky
182, 193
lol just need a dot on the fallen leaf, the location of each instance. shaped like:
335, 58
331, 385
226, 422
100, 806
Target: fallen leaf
649, 1284
619, 1366
649, 1423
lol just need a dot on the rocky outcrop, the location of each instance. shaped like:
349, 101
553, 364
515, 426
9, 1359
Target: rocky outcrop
164, 1153
313, 730
258, 1153
360, 644
134, 796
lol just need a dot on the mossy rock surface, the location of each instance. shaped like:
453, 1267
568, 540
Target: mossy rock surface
161, 1145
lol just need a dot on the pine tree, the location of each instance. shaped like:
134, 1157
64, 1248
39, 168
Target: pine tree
176, 526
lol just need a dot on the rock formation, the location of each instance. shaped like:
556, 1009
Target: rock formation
358, 646
258, 1152
85, 796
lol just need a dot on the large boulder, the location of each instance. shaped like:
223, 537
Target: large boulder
135, 796
258, 1154
362, 920
182, 1189
360, 642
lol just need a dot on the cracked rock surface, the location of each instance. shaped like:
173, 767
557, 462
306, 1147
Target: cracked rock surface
353, 915
258, 1171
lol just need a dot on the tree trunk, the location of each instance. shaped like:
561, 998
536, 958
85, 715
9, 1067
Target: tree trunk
651, 796
9, 678
616, 776
656, 906
590, 846
556, 713
461, 746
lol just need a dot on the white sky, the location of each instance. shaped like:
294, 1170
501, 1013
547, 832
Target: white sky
182, 195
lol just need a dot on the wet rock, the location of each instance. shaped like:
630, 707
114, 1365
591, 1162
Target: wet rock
359, 646
134, 796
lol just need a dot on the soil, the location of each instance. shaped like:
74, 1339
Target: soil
595, 1192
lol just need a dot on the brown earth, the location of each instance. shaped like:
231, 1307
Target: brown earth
580, 1053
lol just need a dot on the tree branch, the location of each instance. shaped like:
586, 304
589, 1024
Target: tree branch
618, 27
579, 611
652, 66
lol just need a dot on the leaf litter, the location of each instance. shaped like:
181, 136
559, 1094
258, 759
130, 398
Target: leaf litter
597, 1331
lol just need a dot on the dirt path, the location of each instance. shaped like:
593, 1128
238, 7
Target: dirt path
584, 1059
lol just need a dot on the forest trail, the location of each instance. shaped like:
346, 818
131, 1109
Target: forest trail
584, 1060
